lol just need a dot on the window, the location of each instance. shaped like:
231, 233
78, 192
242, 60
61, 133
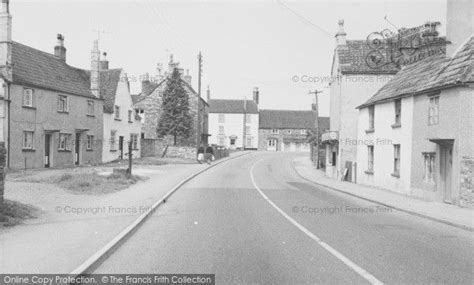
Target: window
396, 160
222, 141
141, 114
232, 141
62, 104
334, 158
370, 158
247, 130
113, 140
398, 112
117, 112
303, 132
130, 114
221, 130
90, 107
28, 97
249, 142
429, 167
275, 131
248, 118
90, 142
64, 142
433, 112
289, 132
371, 117
28, 140
221, 118
142, 135
271, 143
134, 141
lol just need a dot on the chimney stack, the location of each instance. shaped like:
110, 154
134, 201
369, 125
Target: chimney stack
256, 94
341, 34
208, 94
187, 77
95, 69
5, 38
146, 84
59, 49
104, 63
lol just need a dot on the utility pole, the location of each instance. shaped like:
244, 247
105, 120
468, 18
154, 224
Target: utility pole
199, 138
315, 109
199, 73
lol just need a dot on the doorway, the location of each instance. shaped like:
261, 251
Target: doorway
121, 146
446, 167
47, 150
77, 148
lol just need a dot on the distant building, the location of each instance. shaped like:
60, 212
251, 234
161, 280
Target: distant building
234, 123
121, 125
418, 128
147, 106
50, 115
287, 130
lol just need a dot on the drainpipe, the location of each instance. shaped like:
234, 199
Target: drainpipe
8, 125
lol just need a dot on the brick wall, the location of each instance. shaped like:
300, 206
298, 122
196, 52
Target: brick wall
466, 198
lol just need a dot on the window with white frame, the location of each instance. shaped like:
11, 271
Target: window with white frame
249, 141
433, 112
63, 106
221, 130
28, 137
117, 112
303, 132
113, 140
370, 158
275, 131
221, 118
248, 118
398, 111
64, 141
134, 141
130, 114
396, 159
222, 141
141, 114
28, 97
90, 107
247, 130
429, 167
90, 142
371, 117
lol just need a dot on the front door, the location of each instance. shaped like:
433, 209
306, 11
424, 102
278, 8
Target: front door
77, 148
121, 146
47, 150
446, 166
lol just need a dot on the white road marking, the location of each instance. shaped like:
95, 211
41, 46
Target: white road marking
359, 270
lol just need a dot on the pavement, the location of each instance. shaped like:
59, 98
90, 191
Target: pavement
72, 227
254, 220
441, 212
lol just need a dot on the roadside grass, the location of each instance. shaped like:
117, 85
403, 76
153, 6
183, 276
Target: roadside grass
13, 213
93, 183
154, 160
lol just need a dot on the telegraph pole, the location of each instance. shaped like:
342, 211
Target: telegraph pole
316, 106
199, 139
199, 73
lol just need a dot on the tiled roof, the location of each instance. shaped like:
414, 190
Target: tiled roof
286, 119
36, 68
437, 71
109, 80
353, 59
232, 106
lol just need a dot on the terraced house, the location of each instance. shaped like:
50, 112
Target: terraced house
51, 118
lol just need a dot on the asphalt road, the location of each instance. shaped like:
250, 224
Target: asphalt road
253, 220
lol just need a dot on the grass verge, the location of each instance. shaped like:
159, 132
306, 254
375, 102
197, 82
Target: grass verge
13, 213
93, 183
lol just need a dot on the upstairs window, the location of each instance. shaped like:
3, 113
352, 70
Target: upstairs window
221, 119
221, 130
117, 112
370, 158
247, 130
130, 114
396, 160
371, 117
28, 97
275, 131
63, 106
90, 107
248, 118
398, 112
433, 112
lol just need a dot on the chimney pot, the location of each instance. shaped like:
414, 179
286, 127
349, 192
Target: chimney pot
256, 95
59, 49
104, 63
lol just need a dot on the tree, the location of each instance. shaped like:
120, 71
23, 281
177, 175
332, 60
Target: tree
175, 119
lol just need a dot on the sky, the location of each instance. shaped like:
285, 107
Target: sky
273, 45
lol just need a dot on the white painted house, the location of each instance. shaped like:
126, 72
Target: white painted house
234, 123
121, 125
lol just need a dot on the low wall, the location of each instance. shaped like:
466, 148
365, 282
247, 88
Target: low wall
186, 152
152, 147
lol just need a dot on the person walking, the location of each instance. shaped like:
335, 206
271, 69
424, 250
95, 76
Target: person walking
209, 154
200, 157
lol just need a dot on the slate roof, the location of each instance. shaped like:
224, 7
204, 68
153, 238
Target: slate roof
352, 59
432, 73
286, 119
232, 106
109, 80
35, 68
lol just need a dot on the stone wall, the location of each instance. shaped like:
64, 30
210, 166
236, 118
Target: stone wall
466, 195
182, 152
152, 147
